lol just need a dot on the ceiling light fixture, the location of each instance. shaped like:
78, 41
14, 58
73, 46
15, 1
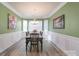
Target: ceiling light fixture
34, 22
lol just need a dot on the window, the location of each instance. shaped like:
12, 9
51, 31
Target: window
24, 25
37, 25
45, 25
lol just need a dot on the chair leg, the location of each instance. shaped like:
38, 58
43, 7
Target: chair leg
41, 45
30, 47
26, 47
37, 47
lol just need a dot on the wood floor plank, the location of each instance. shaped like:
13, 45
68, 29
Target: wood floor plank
20, 50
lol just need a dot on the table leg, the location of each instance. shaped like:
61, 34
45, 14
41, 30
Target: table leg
41, 45
26, 45
37, 46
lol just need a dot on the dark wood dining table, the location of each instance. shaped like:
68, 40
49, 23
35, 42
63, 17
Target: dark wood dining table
40, 39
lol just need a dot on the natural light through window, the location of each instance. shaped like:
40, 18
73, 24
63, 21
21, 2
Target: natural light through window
35, 26
45, 25
24, 25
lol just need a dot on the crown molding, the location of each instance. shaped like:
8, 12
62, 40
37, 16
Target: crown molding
60, 6
17, 13
9, 7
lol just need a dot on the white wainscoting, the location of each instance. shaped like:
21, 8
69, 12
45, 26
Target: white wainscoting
68, 44
8, 39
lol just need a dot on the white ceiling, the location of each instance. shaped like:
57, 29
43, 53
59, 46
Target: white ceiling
34, 9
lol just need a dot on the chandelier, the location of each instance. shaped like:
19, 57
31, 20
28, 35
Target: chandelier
35, 22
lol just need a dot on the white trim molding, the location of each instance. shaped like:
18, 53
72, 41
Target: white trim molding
16, 12
9, 7
60, 6
9, 39
68, 44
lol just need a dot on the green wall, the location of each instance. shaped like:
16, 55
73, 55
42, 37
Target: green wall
71, 12
4, 20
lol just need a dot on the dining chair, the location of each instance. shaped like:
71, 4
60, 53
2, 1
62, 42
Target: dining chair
34, 41
41, 33
27, 39
27, 33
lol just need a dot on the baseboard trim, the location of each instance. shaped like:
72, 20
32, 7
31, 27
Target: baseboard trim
9, 48
58, 50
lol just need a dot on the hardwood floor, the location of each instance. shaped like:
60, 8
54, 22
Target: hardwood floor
20, 50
